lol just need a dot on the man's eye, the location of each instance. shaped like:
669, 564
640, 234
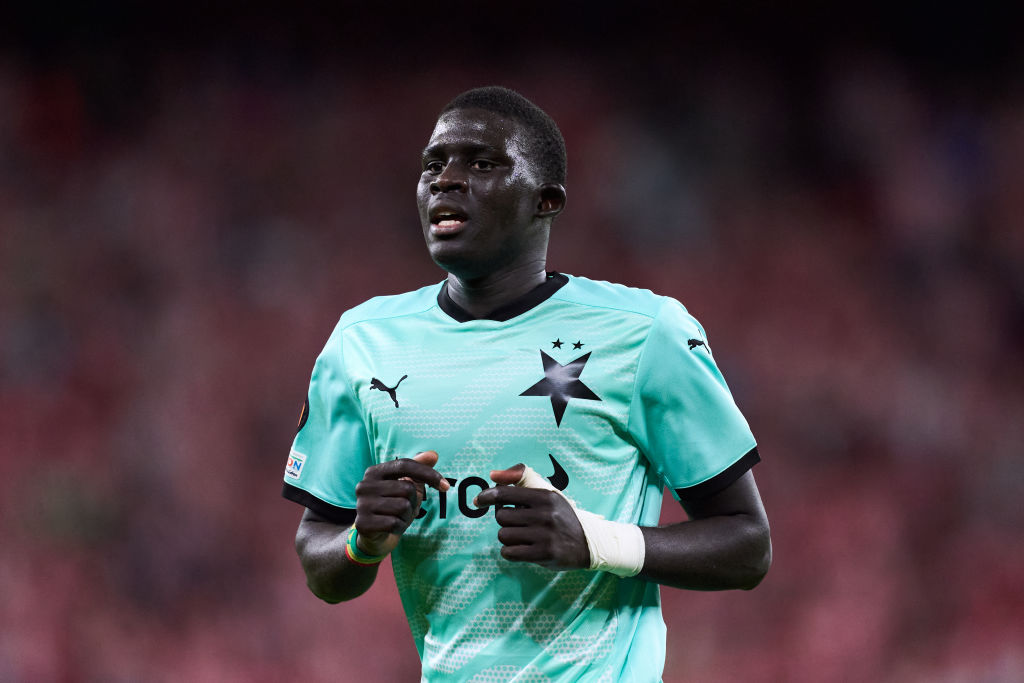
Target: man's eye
433, 167
483, 164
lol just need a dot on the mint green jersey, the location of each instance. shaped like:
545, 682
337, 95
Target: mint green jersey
610, 392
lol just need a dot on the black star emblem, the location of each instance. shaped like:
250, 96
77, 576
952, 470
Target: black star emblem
578, 344
557, 344
561, 383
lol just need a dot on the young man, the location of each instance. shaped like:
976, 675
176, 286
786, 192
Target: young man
430, 415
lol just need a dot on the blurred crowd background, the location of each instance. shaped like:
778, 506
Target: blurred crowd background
189, 201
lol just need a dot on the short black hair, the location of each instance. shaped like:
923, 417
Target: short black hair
546, 141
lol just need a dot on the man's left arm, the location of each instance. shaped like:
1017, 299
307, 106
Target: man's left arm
726, 543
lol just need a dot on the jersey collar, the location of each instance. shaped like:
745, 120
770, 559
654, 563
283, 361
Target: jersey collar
535, 296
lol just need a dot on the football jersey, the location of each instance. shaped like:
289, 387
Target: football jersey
610, 392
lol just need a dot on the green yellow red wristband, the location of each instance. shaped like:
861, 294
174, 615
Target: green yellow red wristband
357, 556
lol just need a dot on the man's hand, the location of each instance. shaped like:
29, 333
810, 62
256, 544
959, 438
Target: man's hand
389, 498
541, 527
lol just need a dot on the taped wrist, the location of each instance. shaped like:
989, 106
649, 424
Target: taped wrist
614, 547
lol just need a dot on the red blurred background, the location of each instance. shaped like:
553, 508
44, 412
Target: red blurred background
189, 200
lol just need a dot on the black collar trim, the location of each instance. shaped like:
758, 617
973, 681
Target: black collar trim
535, 296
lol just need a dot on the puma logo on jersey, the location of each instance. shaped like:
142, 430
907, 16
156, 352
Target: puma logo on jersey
390, 391
694, 343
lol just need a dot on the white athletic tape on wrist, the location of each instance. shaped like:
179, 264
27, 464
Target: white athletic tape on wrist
614, 546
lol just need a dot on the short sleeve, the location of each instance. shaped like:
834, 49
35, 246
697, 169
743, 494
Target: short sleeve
331, 450
683, 416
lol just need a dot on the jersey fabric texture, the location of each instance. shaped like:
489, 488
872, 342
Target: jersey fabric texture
612, 390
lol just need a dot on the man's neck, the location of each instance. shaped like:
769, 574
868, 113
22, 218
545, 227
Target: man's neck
481, 296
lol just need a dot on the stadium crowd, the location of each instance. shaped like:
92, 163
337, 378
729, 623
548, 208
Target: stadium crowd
177, 240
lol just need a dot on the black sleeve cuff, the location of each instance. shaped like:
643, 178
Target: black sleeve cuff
332, 513
720, 481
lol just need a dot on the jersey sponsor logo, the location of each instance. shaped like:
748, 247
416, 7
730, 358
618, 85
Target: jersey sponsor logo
562, 383
296, 461
390, 391
467, 489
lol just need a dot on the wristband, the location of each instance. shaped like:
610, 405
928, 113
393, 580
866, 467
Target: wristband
357, 556
614, 547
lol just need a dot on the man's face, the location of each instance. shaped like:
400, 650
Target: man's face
478, 195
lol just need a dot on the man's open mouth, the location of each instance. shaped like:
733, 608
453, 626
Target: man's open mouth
447, 219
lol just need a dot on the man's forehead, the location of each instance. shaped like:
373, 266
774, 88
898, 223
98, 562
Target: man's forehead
478, 127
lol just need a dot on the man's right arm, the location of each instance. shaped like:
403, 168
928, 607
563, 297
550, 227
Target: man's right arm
329, 573
387, 501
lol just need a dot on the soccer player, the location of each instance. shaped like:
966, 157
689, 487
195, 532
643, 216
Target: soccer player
506, 435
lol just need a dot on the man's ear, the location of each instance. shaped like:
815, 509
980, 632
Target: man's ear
552, 200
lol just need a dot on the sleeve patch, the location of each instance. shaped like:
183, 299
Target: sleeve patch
296, 461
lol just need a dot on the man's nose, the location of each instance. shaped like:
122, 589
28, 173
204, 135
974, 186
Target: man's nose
449, 180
